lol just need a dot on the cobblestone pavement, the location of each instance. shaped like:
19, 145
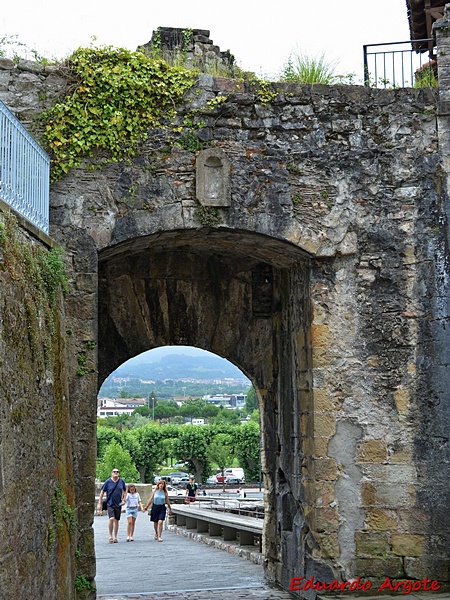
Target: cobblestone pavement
259, 593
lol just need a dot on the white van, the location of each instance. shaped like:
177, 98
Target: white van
235, 473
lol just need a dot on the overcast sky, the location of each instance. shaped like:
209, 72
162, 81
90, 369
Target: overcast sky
261, 34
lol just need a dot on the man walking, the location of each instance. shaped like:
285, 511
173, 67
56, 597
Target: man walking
116, 493
191, 491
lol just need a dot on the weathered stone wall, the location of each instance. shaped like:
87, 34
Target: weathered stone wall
37, 495
324, 279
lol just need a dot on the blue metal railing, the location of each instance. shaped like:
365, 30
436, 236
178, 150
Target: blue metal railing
24, 171
397, 67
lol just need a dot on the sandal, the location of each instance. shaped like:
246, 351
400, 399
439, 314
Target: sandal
115, 540
111, 540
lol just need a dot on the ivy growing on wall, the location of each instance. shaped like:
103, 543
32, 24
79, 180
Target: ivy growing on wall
114, 97
40, 274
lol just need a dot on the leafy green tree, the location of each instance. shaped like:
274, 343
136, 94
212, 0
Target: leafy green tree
254, 416
248, 449
151, 450
117, 457
225, 415
251, 401
210, 410
192, 409
165, 409
168, 446
130, 441
192, 446
105, 435
142, 410
120, 422
221, 451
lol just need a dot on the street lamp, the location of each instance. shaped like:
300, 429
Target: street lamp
153, 403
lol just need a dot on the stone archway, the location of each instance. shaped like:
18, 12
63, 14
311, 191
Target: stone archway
246, 298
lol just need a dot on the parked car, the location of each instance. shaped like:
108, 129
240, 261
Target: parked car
183, 481
166, 478
211, 480
235, 473
178, 476
233, 480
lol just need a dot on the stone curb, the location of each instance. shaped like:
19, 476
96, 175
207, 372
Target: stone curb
246, 552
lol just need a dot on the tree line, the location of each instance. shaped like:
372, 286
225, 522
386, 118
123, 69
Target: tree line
139, 446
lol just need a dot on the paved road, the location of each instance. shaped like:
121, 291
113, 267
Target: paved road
182, 569
177, 564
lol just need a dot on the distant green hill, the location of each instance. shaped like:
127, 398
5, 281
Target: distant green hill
178, 366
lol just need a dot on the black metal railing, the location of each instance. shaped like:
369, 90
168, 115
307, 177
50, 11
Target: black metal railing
399, 67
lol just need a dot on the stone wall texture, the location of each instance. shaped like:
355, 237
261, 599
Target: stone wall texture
325, 280
37, 496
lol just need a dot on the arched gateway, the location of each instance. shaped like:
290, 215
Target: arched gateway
303, 239
242, 296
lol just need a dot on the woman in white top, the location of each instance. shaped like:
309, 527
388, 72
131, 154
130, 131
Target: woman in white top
132, 504
158, 501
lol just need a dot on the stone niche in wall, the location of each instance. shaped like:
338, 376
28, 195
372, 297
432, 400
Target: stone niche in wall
213, 178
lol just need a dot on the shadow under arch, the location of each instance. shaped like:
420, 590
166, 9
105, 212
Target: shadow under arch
246, 298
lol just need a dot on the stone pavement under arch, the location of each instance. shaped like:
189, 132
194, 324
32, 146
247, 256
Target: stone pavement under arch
182, 569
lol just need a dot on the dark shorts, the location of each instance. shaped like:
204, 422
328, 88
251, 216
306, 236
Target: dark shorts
114, 512
158, 512
189, 499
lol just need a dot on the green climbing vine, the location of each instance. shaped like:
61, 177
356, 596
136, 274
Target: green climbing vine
40, 274
208, 216
63, 514
114, 97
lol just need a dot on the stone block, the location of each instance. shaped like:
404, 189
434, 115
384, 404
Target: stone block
382, 520
324, 493
401, 454
368, 494
324, 424
306, 425
372, 451
329, 545
405, 544
321, 356
308, 445
321, 446
322, 400
326, 519
372, 543
413, 520
379, 567
401, 399
386, 495
326, 469
321, 336
427, 566
384, 473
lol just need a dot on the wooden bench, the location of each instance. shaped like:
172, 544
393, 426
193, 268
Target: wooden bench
218, 523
